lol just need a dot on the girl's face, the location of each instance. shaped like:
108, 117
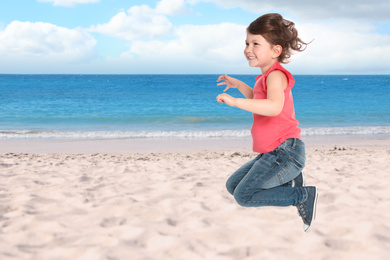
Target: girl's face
259, 52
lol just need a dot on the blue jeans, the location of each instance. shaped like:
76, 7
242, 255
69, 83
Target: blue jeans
264, 181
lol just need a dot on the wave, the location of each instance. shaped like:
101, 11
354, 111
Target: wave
11, 134
346, 130
306, 131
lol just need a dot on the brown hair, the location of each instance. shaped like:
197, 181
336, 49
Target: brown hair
278, 31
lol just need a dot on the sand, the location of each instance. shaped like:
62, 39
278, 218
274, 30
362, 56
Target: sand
166, 199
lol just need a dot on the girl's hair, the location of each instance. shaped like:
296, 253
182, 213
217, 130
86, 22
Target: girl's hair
278, 31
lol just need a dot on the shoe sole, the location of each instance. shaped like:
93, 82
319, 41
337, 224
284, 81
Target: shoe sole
314, 213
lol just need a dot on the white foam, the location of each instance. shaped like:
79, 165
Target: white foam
346, 130
10, 134
307, 131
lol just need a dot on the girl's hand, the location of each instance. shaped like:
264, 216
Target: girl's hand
228, 81
229, 100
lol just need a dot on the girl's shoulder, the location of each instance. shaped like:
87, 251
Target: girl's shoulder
277, 77
278, 71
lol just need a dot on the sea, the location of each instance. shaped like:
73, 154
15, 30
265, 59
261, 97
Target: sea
179, 106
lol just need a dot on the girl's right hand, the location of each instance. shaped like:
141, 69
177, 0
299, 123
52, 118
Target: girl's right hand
228, 81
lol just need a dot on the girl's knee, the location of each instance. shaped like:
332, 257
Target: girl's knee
230, 186
240, 199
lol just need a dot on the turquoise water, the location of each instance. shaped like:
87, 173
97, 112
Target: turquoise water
136, 106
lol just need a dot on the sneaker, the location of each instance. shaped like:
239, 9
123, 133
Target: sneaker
299, 181
307, 209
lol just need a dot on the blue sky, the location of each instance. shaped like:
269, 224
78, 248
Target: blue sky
186, 36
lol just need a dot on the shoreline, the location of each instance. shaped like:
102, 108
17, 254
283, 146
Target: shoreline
172, 145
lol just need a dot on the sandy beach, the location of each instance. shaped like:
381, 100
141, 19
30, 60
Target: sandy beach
166, 199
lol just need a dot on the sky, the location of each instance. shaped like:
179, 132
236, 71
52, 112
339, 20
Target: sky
186, 36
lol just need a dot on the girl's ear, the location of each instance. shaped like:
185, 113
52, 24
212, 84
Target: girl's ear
277, 51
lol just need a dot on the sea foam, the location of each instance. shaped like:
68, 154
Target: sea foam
243, 133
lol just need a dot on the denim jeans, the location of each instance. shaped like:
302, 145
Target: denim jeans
264, 180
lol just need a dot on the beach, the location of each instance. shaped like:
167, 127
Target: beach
166, 199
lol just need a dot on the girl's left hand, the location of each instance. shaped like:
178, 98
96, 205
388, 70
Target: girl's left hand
225, 98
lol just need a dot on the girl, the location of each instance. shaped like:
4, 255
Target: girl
274, 177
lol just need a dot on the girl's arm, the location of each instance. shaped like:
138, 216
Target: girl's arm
271, 106
231, 82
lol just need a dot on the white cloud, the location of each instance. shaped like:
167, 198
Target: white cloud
139, 22
376, 10
343, 48
220, 42
69, 3
171, 7
195, 49
43, 42
211, 42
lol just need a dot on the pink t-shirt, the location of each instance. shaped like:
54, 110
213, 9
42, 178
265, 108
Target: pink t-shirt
269, 132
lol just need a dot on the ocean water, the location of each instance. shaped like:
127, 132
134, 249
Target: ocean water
179, 106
